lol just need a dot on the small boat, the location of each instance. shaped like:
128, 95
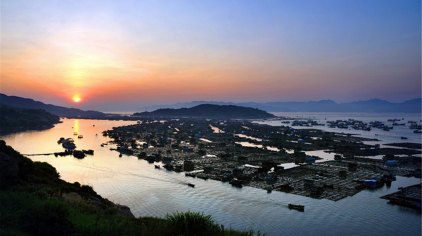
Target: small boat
403, 137
191, 185
190, 174
78, 154
157, 167
88, 152
80, 136
75, 133
60, 141
300, 208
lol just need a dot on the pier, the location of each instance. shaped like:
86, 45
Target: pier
407, 196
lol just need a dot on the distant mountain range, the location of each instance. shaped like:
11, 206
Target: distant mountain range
26, 103
210, 111
373, 105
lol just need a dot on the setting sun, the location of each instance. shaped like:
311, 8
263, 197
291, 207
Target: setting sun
76, 98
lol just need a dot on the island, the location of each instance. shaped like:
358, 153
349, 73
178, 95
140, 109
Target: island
209, 111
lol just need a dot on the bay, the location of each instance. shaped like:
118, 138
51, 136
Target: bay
151, 192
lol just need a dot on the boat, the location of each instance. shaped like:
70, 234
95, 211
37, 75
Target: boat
88, 152
191, 185
300, 208
157, 167
80, 136
190, 174
78, 154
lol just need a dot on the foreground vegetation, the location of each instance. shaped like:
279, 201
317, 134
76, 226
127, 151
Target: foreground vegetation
35, 201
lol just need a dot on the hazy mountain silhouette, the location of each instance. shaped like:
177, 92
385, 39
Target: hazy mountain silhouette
372, 105
26, 103
211, 111
16, 119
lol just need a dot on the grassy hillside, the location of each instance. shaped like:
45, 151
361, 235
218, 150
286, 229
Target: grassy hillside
35, 201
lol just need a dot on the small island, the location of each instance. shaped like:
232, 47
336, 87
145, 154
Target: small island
209, 111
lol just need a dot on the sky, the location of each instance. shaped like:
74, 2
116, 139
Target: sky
120, 55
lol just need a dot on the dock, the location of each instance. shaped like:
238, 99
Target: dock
407, 196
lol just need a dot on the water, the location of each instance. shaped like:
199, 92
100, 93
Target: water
151, 192
391, 136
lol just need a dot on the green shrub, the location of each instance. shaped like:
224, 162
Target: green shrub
44, 173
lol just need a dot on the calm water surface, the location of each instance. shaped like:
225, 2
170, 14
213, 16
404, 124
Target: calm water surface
393, 135
151, 192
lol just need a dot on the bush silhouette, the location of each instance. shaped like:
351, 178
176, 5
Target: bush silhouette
191, 223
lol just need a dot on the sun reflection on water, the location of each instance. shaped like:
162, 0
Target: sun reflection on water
76, 126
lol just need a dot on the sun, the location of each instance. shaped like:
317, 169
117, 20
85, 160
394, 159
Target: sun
76, 98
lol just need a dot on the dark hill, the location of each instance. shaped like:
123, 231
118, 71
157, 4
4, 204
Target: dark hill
26, 103
372, 105
209, 111
15, 119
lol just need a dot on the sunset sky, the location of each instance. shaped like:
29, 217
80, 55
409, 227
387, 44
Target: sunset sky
122, 54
